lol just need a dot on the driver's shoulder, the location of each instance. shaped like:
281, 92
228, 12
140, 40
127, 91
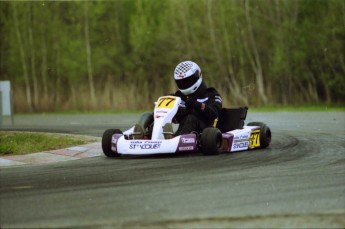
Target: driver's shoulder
211, 91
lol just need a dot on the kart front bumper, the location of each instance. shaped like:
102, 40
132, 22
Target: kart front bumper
183, 143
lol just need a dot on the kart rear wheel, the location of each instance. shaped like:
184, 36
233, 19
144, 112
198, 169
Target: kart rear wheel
211, 141
106, 142
265, 133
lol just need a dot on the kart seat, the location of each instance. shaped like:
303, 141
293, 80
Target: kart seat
231, 119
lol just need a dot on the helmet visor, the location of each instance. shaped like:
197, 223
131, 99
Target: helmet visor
187, 82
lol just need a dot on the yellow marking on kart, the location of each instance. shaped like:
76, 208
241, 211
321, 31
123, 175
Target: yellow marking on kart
254, 139
166, 102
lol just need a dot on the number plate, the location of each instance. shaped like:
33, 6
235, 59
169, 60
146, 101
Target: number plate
166, 102
254, 139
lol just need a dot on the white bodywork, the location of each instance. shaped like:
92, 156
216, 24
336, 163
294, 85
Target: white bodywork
244, 139
165, 109
140, 147
164, 112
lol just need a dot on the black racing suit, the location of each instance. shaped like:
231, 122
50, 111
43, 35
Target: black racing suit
206, 107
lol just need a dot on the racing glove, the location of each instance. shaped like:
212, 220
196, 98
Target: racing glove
193, 104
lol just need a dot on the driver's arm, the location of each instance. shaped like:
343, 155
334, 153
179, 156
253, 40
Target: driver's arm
211, 108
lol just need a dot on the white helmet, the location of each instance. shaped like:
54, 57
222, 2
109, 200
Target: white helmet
188, 77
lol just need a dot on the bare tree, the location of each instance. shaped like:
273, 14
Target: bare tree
231, 77
22, 58
44, 63
32, 58
255, 58
88, 54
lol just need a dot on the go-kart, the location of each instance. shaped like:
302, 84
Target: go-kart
228, 134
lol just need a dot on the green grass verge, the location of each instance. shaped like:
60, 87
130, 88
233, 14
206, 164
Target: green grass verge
17, 143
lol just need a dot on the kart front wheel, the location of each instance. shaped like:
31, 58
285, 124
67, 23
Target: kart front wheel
211, 141
106, 142
265, 133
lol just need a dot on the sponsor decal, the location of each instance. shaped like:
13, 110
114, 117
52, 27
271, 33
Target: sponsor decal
240, 145
242, 137
145, 142
188, 140
185, 148
160, 111
254, 139
145, 145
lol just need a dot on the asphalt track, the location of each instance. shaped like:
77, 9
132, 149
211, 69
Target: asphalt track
297, 182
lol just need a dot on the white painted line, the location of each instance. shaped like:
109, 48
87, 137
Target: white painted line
5, 162
78, 148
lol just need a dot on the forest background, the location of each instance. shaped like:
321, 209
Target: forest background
121, 54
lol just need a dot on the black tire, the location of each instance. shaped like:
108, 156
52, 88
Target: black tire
265, 133
106, 142
211, 141
146, 120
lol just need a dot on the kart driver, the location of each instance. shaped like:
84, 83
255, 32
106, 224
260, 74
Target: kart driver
203, 104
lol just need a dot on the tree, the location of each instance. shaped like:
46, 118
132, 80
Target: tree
96, 55
88, 54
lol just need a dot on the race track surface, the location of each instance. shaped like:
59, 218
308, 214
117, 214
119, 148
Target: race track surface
297, 182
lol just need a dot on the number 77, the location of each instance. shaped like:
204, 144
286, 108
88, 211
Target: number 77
166, 103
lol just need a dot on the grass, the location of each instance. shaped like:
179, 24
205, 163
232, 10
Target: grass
89, 112
18, 143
